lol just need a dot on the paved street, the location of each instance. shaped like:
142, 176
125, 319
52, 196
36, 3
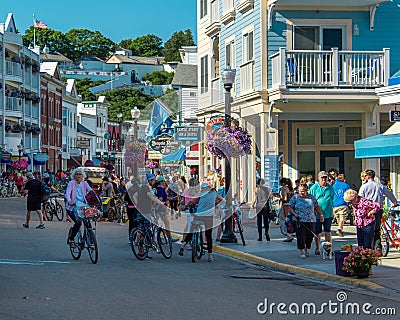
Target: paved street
40, 280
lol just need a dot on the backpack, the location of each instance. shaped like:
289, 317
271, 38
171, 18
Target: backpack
45, 191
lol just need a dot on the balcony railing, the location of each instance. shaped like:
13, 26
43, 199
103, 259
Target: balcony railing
247, 77
14, 104
313, 68
27, 108
13, 69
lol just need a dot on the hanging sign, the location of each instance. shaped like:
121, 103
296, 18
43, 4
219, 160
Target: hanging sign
215, 123
41, 157
394, 116
159, 142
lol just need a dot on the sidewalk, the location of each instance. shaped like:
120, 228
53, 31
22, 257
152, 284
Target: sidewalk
285, 256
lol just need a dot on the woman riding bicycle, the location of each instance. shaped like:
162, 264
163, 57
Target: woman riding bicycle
75, 195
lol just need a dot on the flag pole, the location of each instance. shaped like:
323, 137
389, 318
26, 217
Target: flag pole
34, 32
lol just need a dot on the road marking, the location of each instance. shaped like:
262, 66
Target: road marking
31, 263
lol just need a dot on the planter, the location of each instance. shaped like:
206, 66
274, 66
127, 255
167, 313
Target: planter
362, 273
340, 255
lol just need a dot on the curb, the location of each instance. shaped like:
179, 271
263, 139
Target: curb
365, 284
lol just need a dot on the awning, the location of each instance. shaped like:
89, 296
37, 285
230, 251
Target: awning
378, 146
178, 155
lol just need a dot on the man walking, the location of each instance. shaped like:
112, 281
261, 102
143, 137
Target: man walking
340, 207
376, 192
33, 188
324, 194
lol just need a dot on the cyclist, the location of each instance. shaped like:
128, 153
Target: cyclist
75, 195
205, 212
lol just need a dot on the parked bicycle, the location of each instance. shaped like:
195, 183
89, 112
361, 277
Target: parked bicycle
390, 231
237, 220
121, 214
149, 235
52, 207
87, 239
8, 189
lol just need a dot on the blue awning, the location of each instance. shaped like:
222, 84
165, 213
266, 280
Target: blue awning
178, 155
378, 146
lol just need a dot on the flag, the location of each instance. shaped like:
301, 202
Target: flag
159, 115
39, 24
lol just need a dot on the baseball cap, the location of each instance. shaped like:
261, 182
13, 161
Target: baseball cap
322, 174
29, 175
160, 178
46, 175
150, 176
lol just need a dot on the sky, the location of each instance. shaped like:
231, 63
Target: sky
117, 20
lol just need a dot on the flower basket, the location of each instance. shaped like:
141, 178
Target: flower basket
152, 165
17, 128
360, 261
7, 126
20, 164
36, 130
135, 153
229, 142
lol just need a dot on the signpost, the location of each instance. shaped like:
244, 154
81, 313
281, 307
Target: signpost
394, 116
83, 144
271, 172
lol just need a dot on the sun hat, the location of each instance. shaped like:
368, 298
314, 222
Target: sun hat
29, 175
322, 174
150, 176
205, 185
160, 178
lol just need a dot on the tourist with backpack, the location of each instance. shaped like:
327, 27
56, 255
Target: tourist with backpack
261, 203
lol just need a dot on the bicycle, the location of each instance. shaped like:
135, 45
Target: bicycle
87, 240
390, 231
53, 207
237, 221
149, 235
108, 207
121, 210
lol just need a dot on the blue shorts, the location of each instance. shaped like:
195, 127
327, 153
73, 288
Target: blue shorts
327, 225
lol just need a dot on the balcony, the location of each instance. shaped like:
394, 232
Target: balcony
13, 69
314, 69
247, 77
13, 104
215, 25
27, 108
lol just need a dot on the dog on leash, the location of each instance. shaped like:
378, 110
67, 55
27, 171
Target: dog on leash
326, 250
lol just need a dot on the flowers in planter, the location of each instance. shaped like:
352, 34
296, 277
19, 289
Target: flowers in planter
229, 142
17, 128
29, 128
21, 164
36, 130
360, 260
7, 126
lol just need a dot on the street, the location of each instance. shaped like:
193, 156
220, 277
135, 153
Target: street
40, 280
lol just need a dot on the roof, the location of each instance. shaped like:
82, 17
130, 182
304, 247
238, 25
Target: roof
54, 56
120, 58
49, 68
185, 75
83, 129
89, 58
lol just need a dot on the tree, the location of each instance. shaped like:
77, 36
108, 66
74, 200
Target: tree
159, 77
85, 42
176, 42
144, 46
83, 86
54, 40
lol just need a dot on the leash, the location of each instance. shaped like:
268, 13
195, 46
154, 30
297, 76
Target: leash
315, 236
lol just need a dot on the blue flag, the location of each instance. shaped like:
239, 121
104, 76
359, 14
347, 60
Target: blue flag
159, 116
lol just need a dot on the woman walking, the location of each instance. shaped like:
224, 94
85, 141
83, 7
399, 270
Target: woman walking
286, 193
261, 203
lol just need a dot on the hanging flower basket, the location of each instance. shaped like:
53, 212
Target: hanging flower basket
20, 164
229, 142
7, 126
152, 165
36, 130
17, 128
135, 153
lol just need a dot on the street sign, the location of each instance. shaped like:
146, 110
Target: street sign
271, 171
394, 116
41, 157
83, 144
154, 155
188, 134
160, 142
6, 155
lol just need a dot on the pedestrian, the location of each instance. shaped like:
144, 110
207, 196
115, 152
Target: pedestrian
190, 199
161, 187
340, 207
310, 181
304, 207
332, 176
173, 197
364, 217
262, 195
376, 192
286, 193
324, 194
33, 188
131, 210
75, 194
220, 209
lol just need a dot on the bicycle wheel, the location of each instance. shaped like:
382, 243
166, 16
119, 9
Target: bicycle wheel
49, 209
76, 251
240, 228
164, 243
199, 247
111, 214
138, 244
194, 246
59, 212
91, 243
384, 242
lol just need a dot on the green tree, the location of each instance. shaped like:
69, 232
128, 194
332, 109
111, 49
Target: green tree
85, 42
83, 86
159, 77
54, 40
176, 42
144, 46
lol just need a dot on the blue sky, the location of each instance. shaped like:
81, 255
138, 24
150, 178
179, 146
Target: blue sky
116, 20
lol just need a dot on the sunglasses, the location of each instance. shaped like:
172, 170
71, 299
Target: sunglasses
78, 174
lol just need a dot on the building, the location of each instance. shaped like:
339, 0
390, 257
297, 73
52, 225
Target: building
305, 81
19, 96
51, 93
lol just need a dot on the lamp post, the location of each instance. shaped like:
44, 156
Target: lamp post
135, 112
228, 78
20, 149
119, 116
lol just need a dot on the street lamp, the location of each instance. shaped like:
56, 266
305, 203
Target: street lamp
228, 78
135, 113
119, 116
20, 149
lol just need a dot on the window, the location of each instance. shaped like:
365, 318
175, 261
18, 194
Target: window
204, 74
306, 163
64, 117
330, 135
306, 136
203, 8
227, 6
248, 50
230, 55
352, 134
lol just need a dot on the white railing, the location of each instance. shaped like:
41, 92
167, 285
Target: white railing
247, 76
312, 68
13, 69
13, 104
216, 93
